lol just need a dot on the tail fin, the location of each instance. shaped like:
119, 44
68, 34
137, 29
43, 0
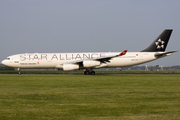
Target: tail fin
160, 43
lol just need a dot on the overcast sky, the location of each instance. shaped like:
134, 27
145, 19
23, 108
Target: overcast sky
28, 26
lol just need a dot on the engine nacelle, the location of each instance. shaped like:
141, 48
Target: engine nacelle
91, 63
67, 67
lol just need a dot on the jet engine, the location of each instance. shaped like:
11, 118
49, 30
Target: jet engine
90, 63
67, 67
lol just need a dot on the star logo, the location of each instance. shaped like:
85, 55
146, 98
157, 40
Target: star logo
160, 44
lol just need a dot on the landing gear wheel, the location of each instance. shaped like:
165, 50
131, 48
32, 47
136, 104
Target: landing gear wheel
92, 73
86, 72
89, 72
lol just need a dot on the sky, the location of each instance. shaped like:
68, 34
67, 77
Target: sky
63, 26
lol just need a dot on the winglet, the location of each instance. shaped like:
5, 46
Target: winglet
123, 53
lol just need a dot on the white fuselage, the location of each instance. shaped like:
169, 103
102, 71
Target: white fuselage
56, 60
90, 61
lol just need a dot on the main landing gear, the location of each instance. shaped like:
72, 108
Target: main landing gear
19, 69
89, 72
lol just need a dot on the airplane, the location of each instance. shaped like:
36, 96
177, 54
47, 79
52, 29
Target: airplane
90, 61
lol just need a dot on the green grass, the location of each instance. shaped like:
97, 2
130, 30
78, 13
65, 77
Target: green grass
134, 97
98, 72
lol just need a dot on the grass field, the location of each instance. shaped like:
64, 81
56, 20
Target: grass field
98, 72
79, 97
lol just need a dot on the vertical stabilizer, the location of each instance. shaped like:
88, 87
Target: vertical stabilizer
160, 43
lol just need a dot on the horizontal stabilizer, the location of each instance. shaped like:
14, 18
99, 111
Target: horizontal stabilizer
159, 55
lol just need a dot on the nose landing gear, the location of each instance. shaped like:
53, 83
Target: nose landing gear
19, 69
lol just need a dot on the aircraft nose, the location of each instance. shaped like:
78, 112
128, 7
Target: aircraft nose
4, 62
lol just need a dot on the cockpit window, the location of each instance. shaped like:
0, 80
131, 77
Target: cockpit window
7, 58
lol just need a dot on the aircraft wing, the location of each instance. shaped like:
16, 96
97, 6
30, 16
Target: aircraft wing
158, 55
106, 59
101, 59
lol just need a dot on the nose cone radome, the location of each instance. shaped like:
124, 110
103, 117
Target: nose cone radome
3, 62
